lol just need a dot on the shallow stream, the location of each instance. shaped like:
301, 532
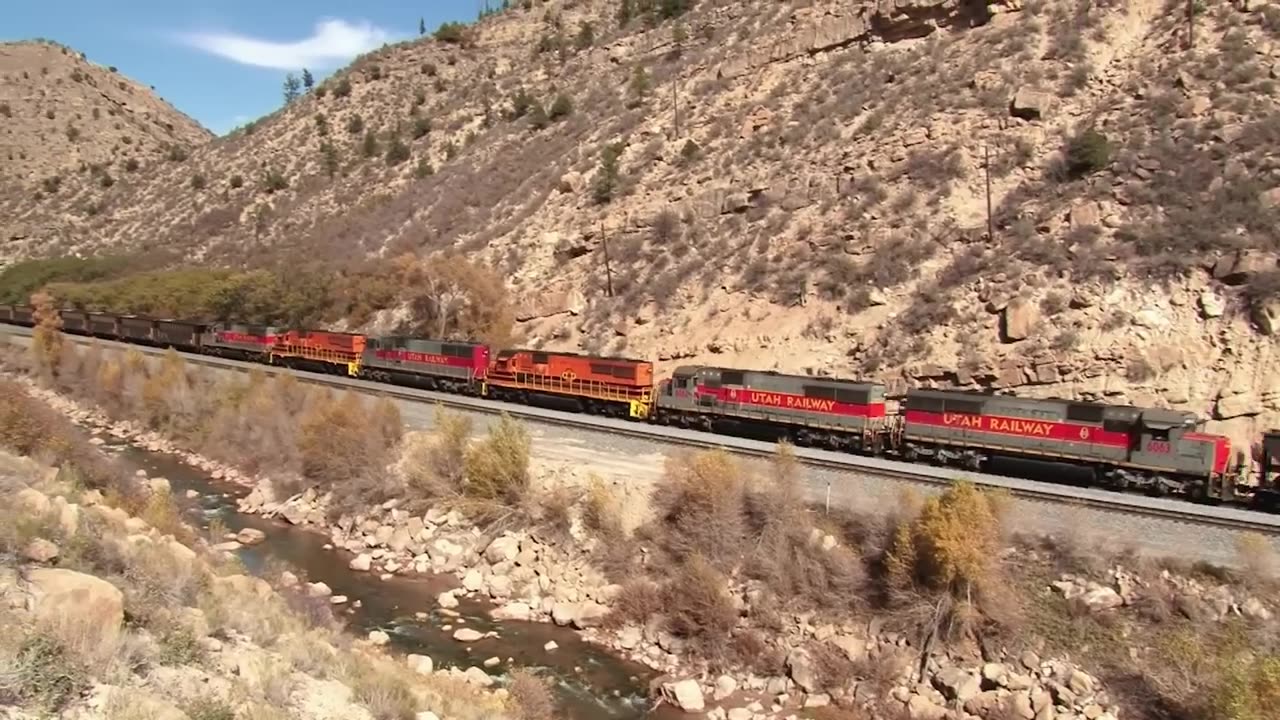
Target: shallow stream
591, 683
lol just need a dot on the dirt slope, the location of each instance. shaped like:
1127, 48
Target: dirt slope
798, 186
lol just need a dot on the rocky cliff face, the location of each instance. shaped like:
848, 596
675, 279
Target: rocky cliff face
801, 187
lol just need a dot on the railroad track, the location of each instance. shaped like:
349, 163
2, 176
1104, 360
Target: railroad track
926, 476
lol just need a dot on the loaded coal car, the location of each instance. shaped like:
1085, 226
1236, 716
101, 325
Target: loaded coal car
458, 367
1161, 451
619, 387
239, 341
179, 334
138, 329
23, 315
319, 350
104, 325
813, 411
75, 322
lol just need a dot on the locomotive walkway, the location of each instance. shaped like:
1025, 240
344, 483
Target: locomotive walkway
1168, 525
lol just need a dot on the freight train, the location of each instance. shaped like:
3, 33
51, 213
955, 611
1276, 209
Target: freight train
1158, 451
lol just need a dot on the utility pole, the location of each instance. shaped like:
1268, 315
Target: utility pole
608, 272
675, 106
1191, 23
986, 164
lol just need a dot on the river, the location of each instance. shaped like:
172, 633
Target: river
591, 683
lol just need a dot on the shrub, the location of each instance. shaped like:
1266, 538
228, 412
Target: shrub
689, 152
385, 694
607, 175
666, 226
521, 103
5, 110
176, 154
336, 440
47, 339
436, 467
699, 609
198, 182
355, 124
236, 181
497, 468
421, 128
369, 146
532, 696
699, 504
343, 88
209, 708
397, 152
561, 108
131, 165
586, 35
538, 117
1087, 152
953, 544
273, 181
43, 674
452, 32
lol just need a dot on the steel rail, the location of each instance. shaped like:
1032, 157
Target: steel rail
925, 475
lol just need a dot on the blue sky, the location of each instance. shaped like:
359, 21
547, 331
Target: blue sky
223, 63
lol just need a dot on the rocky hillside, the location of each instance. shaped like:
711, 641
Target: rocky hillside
112, 608
66, 122
795, 186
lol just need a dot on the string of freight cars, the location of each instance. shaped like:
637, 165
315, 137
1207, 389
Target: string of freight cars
1157, 451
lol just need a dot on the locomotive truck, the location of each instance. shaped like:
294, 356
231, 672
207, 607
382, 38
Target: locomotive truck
1155, 450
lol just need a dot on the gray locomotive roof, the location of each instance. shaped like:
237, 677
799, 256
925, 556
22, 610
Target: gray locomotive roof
810, 379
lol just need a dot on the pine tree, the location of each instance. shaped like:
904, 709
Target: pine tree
308, 81
292, 88
422, 26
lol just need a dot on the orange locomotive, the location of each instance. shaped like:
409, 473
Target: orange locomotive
319, 350
622, 387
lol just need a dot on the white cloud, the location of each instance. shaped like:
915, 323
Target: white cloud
333, 43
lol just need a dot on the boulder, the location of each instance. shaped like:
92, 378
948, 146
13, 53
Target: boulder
40, 550
1030, 103
361, 562
499, 587
468, 635
447, 600
1211, 304
957, 684
1017, 321
800, 665
684, 694
377, 637
473, 580
503, 549
589, 614
513, 611
563, 613
725, 686
400, 539
58, 596
250, 536
1266, 316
